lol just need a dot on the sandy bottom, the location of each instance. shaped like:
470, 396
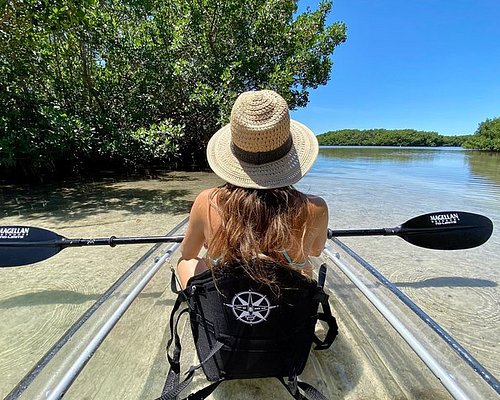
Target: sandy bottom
39, 302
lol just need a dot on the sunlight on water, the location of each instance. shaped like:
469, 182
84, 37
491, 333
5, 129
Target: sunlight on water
384, 187
399, 181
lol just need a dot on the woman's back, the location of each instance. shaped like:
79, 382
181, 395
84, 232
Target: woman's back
257, 216
245, 225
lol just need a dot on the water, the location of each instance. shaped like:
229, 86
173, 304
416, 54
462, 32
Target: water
384, 187
364, 188
39, 302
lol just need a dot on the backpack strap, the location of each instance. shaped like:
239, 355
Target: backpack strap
326, 315
174, 360
173, 387
174, 282
171, 393
295, 387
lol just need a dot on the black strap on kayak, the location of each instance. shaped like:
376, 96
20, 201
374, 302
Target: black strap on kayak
333, 329
174, 281
174, 360
173, 387
172, 392
326, 315
295, 388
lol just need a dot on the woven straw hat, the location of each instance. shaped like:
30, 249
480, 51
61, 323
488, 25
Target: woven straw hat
262, 147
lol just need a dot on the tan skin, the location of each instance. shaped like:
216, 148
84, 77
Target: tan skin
203, 220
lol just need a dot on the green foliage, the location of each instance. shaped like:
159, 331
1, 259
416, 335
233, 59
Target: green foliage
385, 137
487, 136
158, 142
86, 82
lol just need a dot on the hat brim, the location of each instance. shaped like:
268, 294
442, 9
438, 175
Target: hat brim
286, 171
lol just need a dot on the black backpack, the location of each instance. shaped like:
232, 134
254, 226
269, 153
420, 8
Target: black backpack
244, 329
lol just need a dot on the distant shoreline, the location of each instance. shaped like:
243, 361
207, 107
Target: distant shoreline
393, 147
390, 137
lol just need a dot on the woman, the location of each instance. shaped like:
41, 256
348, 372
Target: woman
257, 216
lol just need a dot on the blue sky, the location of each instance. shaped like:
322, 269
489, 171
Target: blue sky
430, 65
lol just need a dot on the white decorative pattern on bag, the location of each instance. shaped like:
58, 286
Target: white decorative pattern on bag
250, 307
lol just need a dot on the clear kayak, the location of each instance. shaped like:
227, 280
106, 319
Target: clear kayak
387, 348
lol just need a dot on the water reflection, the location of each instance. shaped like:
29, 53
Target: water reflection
484, 164
450, 160
388, 154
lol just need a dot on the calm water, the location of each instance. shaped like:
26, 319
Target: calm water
384, 187
364, 188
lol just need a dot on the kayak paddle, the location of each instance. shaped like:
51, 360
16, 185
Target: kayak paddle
444, 230
448, 230
22, 245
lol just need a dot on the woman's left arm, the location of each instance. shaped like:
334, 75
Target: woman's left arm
319, 225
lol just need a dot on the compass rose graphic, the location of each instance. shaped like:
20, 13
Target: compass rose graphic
250, 307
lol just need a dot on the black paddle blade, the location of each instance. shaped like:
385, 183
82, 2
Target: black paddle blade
447, 230
22, 245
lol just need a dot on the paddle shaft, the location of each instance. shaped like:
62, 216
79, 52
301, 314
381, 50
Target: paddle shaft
111, 241
450, 230
115, 241
363, 232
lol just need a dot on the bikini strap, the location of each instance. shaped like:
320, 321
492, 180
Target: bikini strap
293, 263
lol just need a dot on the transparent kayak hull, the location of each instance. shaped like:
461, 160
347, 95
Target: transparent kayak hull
118, 351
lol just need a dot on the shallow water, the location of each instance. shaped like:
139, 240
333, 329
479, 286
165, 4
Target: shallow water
364, 187
384, 187
39, 302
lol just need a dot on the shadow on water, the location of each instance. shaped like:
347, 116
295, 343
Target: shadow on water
47, 297
52, 297
449, 281
79, 200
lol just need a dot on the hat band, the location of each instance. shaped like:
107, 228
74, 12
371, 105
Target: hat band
262, 157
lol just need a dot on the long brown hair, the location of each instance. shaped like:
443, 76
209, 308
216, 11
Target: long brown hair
257, 225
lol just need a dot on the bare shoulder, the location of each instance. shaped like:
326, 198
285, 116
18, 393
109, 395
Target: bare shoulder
316, 200
317, 224
317, 204
200, 207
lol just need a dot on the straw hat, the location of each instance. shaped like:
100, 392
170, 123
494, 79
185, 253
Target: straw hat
262, 147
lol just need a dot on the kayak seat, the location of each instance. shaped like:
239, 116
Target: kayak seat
243, 329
